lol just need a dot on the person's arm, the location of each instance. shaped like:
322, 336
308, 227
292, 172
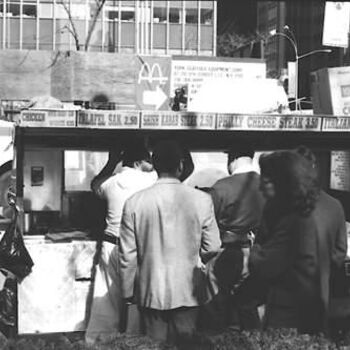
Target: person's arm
128, 253
341, 241
114, 158
210, 243
270, 260
217, 201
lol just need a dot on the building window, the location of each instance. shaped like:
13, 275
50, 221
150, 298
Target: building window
113, 15
60, 12
13, 10
206, 16
45, 10
191, 16
79, 11
29, 10
159, 15
126, 14
272, 13
174, 15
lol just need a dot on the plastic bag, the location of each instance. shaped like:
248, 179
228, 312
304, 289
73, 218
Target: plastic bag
8, 303
14, 256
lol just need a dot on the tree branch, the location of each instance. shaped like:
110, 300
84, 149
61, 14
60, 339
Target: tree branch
99, 4
73, 29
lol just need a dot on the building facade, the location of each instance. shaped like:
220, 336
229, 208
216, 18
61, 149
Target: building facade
303, 22
135, 26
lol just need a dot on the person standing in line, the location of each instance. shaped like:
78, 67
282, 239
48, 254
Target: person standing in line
338, 237
166, 230
238, 205
136, 174
295, 256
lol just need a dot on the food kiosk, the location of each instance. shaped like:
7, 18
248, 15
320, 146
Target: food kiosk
58, 152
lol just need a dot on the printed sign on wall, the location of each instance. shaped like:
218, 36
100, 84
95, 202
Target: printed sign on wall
194, 73
340, 170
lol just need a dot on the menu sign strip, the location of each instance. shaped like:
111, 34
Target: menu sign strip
337, 124
33, 118
60, 118
109, 119
268, 122
179, 121
48, 118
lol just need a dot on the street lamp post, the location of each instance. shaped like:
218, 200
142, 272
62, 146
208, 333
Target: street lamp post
293, 42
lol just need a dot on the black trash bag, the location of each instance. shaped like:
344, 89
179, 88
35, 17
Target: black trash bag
8, 303
14, 256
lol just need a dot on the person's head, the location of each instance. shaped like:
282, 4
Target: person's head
137, 156
289, 178
168, 159
307, 154
243, 151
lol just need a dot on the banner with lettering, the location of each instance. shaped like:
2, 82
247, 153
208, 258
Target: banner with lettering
336, 124
48, 118
113, 119
268, 122
174, 120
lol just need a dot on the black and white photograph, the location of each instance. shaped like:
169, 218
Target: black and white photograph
174, 175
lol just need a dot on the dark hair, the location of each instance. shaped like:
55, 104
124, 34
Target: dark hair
294, 179
167, 156
240, 150
135, 152
307, 154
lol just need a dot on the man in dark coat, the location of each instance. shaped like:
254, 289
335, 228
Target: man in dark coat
238, 205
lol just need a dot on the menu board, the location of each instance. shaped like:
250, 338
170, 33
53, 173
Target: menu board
48, 118
175, 120
268, 122
336, 124
109, 119
340, 170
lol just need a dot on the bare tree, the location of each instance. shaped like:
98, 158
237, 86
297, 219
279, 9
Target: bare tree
72, 28
229, 42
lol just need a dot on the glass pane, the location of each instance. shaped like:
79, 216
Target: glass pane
60, 12
81, 167
174, 15
191, 16
128, 16
13, 10
206, 16
45, 10
159, 15
79, 11
29, 33
29, 10
112, 15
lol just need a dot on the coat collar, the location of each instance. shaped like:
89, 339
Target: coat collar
168, 180
246, 168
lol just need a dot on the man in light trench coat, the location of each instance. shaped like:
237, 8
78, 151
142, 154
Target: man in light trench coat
167, 232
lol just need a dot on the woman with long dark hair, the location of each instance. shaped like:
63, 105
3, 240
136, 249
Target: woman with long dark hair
294, 252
